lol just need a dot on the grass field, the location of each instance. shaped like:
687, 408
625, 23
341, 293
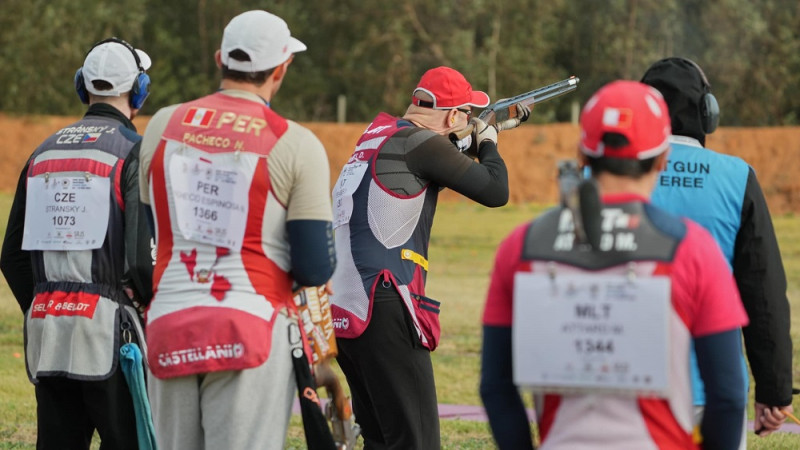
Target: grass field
461, 255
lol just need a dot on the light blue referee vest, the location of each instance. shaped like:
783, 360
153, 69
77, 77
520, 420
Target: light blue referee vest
707, 187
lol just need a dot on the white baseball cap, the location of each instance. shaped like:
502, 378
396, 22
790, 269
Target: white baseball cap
115, 63
264, 37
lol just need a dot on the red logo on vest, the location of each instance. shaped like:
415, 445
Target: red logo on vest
64, 304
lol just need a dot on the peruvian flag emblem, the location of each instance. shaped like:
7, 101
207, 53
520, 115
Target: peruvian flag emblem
199, 117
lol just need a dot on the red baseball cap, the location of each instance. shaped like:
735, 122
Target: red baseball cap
632, 109
449, 89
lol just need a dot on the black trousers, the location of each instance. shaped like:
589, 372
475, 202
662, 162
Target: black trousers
391, 380
68, 411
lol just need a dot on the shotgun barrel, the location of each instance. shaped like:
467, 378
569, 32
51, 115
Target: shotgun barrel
499, 112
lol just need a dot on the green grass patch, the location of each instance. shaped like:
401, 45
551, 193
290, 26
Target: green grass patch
463, 243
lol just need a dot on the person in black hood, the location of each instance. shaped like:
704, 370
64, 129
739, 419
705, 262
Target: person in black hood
694, 111
722, 193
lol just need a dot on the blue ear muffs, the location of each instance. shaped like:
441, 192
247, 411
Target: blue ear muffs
141, 85
80, 86
140, 89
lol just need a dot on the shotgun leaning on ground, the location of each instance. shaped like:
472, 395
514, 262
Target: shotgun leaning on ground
315, 315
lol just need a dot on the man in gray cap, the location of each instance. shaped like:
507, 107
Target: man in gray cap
72, 235
242, 210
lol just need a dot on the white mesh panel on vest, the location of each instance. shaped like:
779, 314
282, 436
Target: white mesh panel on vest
348, 289
392, 219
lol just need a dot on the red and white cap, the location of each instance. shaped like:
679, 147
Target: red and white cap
449, 89
632, 109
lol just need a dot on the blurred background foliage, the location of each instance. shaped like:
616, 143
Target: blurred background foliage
372, 52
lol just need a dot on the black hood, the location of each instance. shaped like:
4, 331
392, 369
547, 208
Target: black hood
682, 84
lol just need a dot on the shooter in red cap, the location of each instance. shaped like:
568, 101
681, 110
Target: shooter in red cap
602, 331
384, 203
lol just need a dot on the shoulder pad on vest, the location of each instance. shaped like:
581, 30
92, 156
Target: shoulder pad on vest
630, 232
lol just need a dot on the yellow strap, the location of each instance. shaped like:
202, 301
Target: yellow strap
697, 437
415, 257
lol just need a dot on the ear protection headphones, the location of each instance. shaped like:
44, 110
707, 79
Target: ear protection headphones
141, 85
709, 107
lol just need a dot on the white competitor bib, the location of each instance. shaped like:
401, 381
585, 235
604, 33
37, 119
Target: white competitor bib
583, 333
211, 199
349, 180
66, 213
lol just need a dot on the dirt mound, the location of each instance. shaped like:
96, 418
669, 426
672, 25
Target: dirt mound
531, 153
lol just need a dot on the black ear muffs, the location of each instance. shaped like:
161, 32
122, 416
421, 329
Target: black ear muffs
709, 107
141, 85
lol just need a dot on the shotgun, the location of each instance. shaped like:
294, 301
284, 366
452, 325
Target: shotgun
502, 113
315, 315
580, 195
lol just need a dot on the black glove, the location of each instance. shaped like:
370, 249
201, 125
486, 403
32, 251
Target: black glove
523, 112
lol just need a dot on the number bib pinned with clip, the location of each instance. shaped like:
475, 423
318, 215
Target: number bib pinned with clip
66, 212
211, 199
585, 333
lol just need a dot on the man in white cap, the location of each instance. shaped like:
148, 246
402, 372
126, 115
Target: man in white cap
384, 201
241, 206
71, 246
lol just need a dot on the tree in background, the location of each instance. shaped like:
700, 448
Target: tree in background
373, 52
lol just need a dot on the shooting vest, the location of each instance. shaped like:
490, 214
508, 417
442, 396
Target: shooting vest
381, 237
74, 227
222, 263
707, 187
638, 241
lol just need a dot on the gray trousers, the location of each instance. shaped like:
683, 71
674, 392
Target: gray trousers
245, 409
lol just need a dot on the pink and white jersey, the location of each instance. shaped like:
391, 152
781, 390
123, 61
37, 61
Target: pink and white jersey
703, 300
225, 173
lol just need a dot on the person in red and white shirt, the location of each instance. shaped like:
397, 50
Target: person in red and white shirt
384, 204
602, 331
242, 211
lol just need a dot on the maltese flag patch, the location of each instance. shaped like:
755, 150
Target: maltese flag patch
199, 117
617, 117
